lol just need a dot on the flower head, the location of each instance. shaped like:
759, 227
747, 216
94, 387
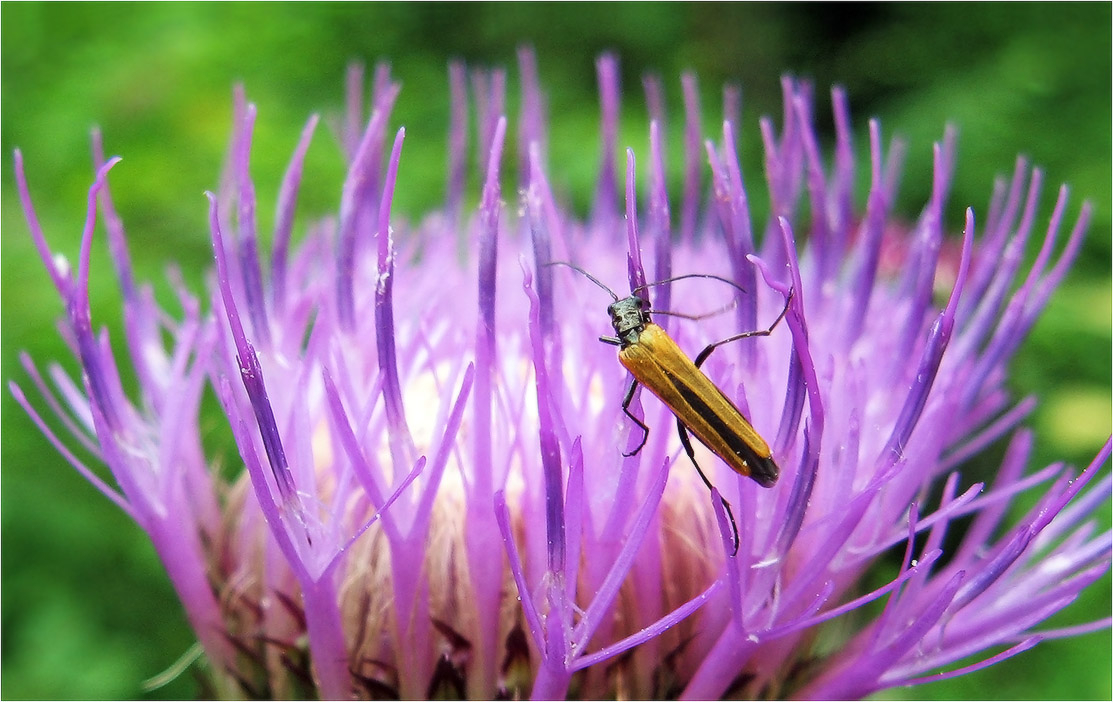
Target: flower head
445, 491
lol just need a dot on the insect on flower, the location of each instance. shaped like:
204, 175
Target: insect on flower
655, 361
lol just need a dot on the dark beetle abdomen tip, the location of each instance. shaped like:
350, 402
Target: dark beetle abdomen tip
764, 472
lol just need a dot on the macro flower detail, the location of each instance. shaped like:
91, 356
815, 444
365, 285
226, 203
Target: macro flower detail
437, 498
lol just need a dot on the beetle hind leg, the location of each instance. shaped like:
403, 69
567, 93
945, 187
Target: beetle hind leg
686, 441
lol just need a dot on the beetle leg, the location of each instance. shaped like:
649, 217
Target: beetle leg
626, 408
686, 441
744, 335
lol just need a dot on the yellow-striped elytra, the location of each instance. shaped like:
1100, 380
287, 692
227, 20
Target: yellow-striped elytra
654, 360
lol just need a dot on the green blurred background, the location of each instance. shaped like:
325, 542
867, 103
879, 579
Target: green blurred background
87, 610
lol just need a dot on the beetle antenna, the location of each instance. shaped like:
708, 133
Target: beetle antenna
712, 276
585, 274
687, 315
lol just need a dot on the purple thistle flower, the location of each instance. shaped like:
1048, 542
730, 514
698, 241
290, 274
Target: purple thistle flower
436, 500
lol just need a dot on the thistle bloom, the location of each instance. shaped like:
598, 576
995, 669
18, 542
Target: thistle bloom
436, 499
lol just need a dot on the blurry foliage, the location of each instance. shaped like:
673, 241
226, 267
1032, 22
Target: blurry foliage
87, 611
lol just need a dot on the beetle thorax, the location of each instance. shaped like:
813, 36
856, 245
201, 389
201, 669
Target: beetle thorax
629, 317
